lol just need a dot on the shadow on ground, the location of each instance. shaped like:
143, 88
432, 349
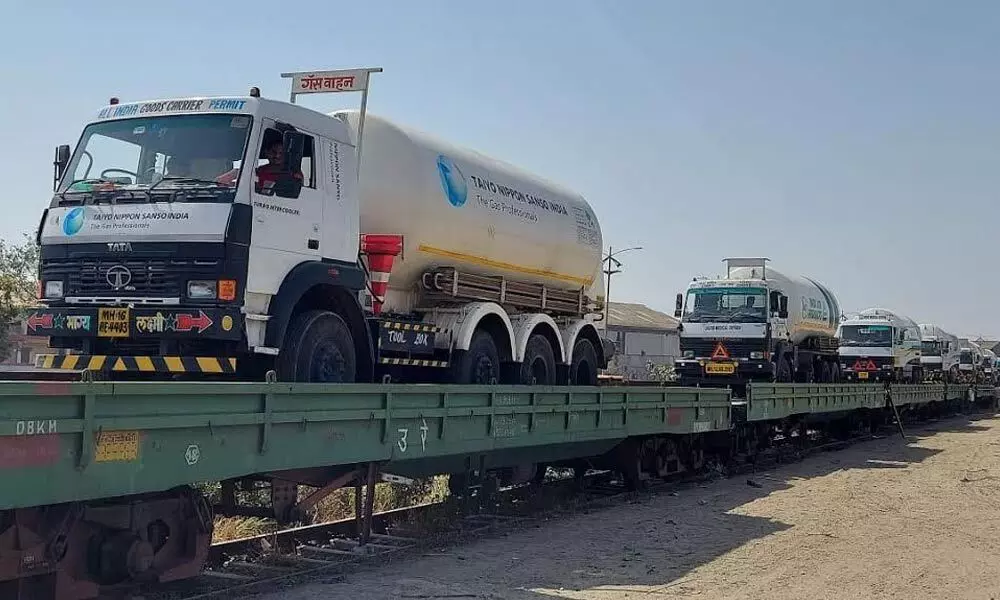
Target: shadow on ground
624, 550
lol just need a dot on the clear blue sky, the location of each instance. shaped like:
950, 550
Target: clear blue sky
851, 140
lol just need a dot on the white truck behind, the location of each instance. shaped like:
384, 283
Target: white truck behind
880, 345
168, 249
757, 324
969, 361
939, 353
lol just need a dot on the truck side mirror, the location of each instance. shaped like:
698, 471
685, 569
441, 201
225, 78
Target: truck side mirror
679, 305
59, 164
783, 307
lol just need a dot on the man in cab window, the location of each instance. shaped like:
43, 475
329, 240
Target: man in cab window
267, 175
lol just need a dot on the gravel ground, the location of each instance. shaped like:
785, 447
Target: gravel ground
882, 519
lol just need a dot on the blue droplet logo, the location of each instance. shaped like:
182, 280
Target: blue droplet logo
452, 181
73, 222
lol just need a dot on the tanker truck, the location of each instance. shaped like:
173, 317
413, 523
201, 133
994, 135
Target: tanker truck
880, 345
987, 374
939, 353
969, 360
359, 250
756, 324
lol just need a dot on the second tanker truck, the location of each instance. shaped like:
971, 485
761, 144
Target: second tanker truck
881, 345
236, 235
757, 324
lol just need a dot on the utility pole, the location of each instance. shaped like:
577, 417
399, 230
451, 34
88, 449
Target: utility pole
613, 266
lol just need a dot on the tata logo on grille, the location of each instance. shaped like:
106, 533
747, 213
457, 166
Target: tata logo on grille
119, 246
119, 277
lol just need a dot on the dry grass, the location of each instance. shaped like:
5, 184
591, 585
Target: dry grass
338, 505
234, 528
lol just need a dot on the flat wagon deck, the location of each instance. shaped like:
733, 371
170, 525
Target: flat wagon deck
99, 478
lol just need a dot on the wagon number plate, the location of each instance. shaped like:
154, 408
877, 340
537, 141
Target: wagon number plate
113, 322
714, 368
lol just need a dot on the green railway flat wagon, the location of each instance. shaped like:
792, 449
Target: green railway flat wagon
100, 478
67, 442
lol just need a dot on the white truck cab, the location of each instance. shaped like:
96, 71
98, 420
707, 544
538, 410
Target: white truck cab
880, 345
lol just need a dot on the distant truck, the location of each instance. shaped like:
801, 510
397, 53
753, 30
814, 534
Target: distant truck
236, 235
969, 361
880, 345
939, 353
988, 373
757, 324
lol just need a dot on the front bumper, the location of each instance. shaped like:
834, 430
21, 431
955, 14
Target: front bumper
136, 364
872, 376
723, 371
145, 323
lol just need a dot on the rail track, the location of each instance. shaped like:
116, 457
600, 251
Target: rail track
327, 552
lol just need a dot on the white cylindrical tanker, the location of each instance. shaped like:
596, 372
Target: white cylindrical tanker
812, 308
457, 208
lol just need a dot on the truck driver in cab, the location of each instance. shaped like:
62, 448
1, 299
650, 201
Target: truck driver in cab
267, 174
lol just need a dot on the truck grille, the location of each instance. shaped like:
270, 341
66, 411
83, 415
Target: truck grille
737, 348
159, 278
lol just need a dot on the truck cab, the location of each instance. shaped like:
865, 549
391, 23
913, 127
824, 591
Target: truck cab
147, 243
878, 345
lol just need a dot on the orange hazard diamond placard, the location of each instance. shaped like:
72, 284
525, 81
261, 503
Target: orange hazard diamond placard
720, 351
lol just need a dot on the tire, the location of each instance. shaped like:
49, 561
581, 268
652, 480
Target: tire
782, 371
539, 364
835, 375
480, 364
824, 375
318, 348
806, 374
583, 368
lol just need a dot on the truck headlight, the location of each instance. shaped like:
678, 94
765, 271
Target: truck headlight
757, 355
689, 354
200, 289
53, 289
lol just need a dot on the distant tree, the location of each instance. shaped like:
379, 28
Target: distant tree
18, 281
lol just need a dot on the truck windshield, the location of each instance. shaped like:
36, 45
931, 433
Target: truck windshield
865, 335
730, 304
965, 357
158, 154
930, 348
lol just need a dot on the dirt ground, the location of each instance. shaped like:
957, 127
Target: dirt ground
882, 519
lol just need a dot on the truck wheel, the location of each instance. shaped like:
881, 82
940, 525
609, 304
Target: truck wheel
318, 349
480, 364
583, 368
824, 372
539, 365
782, 371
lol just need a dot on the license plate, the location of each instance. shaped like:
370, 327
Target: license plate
113, 322
863, 375
720, 368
